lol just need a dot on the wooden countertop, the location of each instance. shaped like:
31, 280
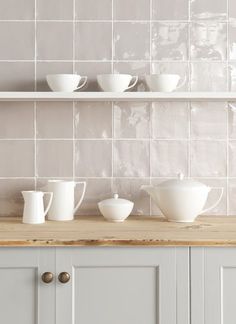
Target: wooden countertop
137, 230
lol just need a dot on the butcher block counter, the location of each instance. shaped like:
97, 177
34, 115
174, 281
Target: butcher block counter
135, 231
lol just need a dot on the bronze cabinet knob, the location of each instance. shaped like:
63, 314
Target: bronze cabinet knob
64, 277
47, 277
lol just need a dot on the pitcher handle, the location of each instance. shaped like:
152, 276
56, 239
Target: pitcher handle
49, 203
181, 83
135, 80
82, 196
216, 203
83, 83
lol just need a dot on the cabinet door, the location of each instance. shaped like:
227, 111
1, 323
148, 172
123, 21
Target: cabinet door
123, 285
213, 285
24, 298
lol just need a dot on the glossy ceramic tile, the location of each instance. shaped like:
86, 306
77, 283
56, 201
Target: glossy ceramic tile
208, 41
168, 158
17, 158
17, 40
132, 120
131, 158
17, 9
93, 41
232, 196
127, 36
52, 47
131, 189
169, 41
207, 76
208, 158
54, 158
93, 120
131, 9
208, 9
16, 120
11, 199
93, 158
55, 9
232, 9
170, 120
232, 76
209, 120
54, 120
232, 120
232, 158
93, 10
161, 9
232, 41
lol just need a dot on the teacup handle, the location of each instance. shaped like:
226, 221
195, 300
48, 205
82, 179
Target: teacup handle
83, 82
82, 196
49, 203
182, 83
217, 202
135, 80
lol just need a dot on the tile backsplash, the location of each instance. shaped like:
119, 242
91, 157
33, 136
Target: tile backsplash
117, 147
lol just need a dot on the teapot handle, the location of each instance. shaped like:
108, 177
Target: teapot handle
82, 196
216, 203
49, 203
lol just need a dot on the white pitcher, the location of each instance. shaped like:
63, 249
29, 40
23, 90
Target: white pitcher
34, 212
63, 205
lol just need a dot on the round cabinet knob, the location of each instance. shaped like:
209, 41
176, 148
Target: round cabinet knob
47, 277
64, 277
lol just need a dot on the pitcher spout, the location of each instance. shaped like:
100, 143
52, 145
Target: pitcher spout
151, 191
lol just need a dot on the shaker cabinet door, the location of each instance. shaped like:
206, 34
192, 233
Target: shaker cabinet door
24, 298
123, 285
213, 285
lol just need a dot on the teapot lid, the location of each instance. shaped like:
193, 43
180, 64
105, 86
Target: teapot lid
182, 183
116, 201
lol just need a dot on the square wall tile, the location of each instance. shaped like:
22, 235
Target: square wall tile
131, 158
132, 41
139, 68
54, 119
93, 41
232, 119
91, 70
93, 158
93, 10
232, 9
93, 119
132, 119
232, 76
161, 9
208, 41
11, 199
232, 158
17, 40
180, 68
52, 47
17, 158
232, 41
131, 189
170, 41
168, 158
209, 120
45, 68
17, 10
208, 158
55, 9
170, 120
232, 196
131, 9
96, 191
54, 158
208, 76
208, 9
16, 119
16, 76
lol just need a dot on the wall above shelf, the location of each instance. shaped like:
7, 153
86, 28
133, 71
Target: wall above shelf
112, 96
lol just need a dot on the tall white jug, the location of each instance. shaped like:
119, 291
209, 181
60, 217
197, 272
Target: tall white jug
63, 204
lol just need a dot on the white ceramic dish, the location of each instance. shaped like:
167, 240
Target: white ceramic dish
163, 82
66, 82
181, 200
116, 82
115, 209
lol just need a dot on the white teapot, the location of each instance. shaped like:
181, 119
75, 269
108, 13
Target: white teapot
181, 200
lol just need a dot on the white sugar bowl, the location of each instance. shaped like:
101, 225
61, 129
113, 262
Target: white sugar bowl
115, 209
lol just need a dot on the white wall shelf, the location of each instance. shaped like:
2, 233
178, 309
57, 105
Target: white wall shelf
112, 96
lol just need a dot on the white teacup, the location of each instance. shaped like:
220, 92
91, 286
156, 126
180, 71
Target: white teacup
163, 82
66, 82
116, 82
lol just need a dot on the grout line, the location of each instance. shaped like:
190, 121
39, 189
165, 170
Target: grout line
73, 104
112, 104
120, 139
120, 178
35, 89
151, 105
110, 21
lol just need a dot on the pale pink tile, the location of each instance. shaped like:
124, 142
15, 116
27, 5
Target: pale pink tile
131, 9
55, 9
208, 9
232, 76
232, 119
131, 158
17, 9
232, 196
162, 11
232, 159
232, 41
93, 10
232, 9
168, 158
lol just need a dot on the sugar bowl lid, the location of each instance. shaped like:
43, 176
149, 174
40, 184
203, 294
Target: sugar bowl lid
182, 183
116, 201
